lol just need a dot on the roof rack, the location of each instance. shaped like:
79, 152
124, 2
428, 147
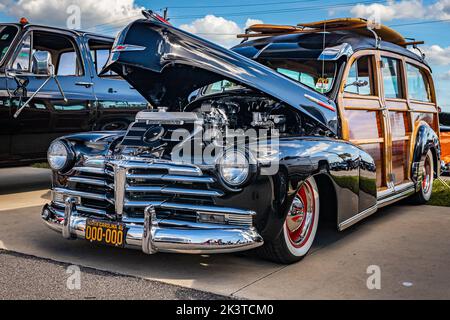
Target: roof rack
359, 26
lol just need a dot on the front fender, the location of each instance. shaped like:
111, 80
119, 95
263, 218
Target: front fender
350, 170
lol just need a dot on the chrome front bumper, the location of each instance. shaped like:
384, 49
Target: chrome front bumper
160, 236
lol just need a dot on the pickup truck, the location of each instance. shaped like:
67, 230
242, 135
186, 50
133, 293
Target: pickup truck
50, 87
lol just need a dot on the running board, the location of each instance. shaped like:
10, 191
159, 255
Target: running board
397, 194
402, 192
355, 219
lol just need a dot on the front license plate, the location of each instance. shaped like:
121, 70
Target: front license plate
107, 233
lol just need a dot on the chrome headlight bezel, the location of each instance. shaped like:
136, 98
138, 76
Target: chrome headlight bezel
241, 168
61, 149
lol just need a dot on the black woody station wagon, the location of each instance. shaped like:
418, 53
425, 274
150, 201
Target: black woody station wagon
352, 111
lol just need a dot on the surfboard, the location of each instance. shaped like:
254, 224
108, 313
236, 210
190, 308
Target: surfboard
357, 25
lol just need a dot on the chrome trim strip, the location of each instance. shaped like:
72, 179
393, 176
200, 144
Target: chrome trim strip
90, 170
87, 195
395, 197
212, 209
94, 182
195, 225
91, 210
171, 168
119, 187
397, 189
355, 219
171, 178
188, 207
79, 209
169, 190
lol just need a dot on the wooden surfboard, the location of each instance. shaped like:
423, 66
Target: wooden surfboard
357, 25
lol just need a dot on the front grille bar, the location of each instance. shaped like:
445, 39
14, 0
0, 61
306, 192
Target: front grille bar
169, 190
170, 178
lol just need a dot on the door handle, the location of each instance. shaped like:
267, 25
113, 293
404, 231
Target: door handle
84, 84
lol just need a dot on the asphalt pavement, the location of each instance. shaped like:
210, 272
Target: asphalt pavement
407, 246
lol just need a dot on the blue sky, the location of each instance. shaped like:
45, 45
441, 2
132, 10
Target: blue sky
224, 18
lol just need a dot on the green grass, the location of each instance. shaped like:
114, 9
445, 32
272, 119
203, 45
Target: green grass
41, 165
441, 195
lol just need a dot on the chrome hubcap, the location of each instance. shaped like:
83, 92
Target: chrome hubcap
426, 183
300, 220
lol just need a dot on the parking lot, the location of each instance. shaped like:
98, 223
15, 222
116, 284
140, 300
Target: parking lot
409, 244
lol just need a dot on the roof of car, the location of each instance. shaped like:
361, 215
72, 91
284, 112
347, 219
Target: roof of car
77, 32
315, 41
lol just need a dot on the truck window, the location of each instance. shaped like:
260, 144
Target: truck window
64, 53
392, 81
23, 59
67, 65
100, 51
361, 70
418, 85
7, 36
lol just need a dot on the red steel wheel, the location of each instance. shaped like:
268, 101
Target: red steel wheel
301, 223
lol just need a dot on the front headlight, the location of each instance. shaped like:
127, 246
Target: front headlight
59, 156
234, 168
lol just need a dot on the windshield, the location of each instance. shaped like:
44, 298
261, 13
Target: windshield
220, 86
7, 35
316, 74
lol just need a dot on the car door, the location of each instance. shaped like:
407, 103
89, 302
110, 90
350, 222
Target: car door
49, 116
363, 115
117, 101
398, 154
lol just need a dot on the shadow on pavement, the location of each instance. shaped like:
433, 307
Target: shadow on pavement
24, 179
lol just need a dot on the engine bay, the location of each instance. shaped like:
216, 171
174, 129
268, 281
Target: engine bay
210, 120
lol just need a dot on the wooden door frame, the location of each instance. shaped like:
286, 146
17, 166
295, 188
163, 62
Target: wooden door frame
377, 96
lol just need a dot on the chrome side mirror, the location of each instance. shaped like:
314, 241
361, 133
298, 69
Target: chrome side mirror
42, 66
42, 63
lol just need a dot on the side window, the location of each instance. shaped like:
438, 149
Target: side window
100, 51
61, 47
418, 85
392, 80
360, 78
102, 58
23, 59
68, 64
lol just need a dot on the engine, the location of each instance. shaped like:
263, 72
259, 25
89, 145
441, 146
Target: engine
209, 121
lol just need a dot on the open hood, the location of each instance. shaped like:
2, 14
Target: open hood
166, 64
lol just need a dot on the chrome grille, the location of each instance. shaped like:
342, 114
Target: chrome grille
123, 189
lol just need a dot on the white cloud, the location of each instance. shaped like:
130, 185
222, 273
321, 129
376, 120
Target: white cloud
436, 55
218, 29
93, 12
440, 9
251, 22
404, 9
